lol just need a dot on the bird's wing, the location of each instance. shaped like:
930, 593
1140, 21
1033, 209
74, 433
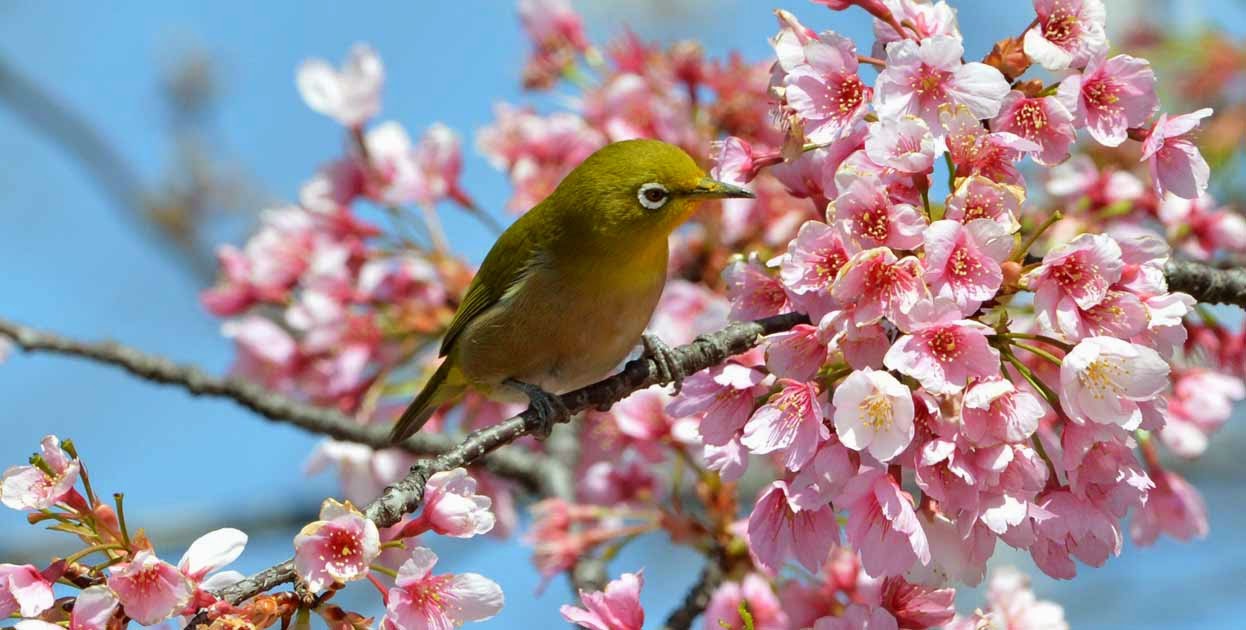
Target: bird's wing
510, 259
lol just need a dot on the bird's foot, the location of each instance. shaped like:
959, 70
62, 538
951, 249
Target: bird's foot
669, 368
549, 408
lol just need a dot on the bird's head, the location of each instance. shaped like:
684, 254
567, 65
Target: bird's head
638, 187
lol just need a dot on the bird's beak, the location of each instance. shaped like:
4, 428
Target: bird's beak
713, 189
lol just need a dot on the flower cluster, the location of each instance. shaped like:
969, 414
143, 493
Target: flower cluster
130, 582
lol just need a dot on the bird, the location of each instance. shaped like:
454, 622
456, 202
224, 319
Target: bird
565, 294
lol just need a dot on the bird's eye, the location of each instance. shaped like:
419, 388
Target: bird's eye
653, 195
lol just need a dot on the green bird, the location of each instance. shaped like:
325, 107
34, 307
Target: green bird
565, 293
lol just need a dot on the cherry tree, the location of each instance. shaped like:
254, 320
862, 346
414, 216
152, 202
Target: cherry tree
967, 310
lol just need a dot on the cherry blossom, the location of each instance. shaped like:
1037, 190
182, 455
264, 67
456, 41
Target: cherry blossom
1068, 34
874, 412
23, 590
1175, 162
615, 608
420, 599
1042, 120
812, 261
863, 214
825, 90
93, 609
779, 530
350, 95
980, 198
208, 554
1103, 378
149, 589
337, 548
32, 487
789, 423
963, 261
905, 144
920, 78
1111, 96
941, 351
753, 592
878, 284
1173, 507
882, 524
453, 508
926, 19
723, 397
1075, 276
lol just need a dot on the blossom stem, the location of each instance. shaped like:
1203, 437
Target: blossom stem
380, 587
1054, 479
119, 498
94, 549
435, 232
394, 544
1018, 254
1043, 338
1042, 354
951, 171
873, 61
384, 570
1029, 376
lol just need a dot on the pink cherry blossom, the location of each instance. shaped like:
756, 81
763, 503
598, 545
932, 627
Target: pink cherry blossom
926, 19
629, 480
420, 600
917, 605
859, 617
1076, 528
1173, 507
882, 524
812, 175
30, 487
874, 412
791, 423
350, 95
1201, 402
963, 261
615, 608
729, 460
1102, 380
722, 397
150, 590
942, 351
863, 214
779, 530
362, 471
877, 284
1102, 468
453, 508
1110, 97
1043, 120
339, 547
861, 346
797, 354
822, 479
904, 144
549, 22
1120, 314
536, 151
93, 610
1069, 33
23, 590
975, 151
723, 611
920, 78
980, 198
1174, 160
812, 261
826, 91
753, 292
686, 310
995, 412
1075, 276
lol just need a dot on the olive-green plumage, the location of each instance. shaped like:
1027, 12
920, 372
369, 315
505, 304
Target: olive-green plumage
566, 291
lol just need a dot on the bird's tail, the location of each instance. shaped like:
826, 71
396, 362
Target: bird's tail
445, 385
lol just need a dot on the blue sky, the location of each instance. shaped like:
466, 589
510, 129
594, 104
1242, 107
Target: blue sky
68, 264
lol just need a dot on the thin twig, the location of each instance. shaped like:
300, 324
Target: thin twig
531, 469
1206, 283
698, 596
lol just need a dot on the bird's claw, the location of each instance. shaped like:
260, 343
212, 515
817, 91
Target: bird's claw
669, 368
549, 408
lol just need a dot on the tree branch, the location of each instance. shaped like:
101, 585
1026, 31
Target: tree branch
406, 495
1207, 284
531, 469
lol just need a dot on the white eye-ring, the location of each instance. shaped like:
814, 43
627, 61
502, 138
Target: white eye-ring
653, 195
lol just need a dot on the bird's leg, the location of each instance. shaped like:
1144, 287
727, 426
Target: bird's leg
669, 368
549, 408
